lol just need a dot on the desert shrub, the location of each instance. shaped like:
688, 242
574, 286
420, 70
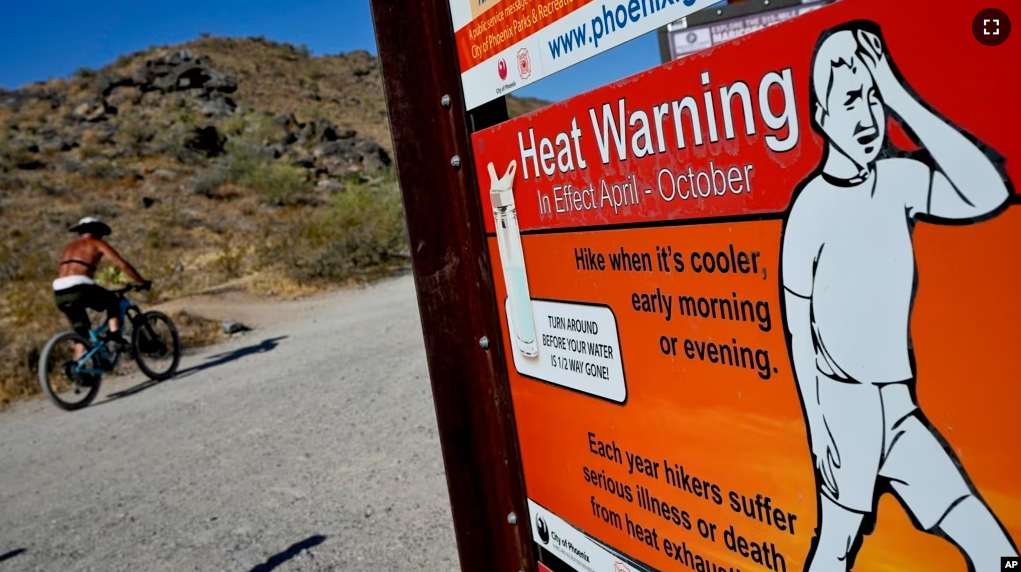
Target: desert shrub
242, 159
356, 234
19, 358
28, 318
5, 141
195, 330
122, 61
316, 71
178, 133
11, 264
232, 255
84, 73
100, 168
208, 183
23, 257
252, 127
134, 136
278, 183
112, 276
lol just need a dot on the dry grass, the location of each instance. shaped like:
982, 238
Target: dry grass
196, 331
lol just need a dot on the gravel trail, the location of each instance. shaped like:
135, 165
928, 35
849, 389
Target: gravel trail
307, 444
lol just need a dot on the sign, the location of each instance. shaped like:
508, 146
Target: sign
770, 281
688, 40
504, 45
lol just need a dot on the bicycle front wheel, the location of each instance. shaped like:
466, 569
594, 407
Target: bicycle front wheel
157, 345
70, 385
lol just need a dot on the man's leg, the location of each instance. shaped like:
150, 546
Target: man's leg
112, 306
838, 532
852, 414
103, 300
936, 491
972, 527
79, 321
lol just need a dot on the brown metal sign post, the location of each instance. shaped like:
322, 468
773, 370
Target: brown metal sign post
460, 323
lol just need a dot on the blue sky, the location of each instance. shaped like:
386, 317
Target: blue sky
41, 40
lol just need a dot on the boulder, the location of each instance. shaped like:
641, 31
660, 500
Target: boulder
329, 186
93, 110
340, 149
231, 327
277, 150
57, 144
34, 93
106, 84
24, 146
182, 71
288, 122
304, 162
99, 134
165, 174
29, 163
373, 155
220, 82
218, 106
347, 156
322, 131
206, 140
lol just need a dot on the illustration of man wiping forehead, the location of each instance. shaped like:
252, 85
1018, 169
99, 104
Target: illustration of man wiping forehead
848, 275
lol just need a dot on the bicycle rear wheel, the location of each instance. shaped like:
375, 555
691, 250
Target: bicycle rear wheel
157, 345
60, 376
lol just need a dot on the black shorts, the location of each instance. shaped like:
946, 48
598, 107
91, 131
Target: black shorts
75, 300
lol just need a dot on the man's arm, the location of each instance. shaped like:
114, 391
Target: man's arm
120, 262
798, 255
965, 184
798, 321
801, 249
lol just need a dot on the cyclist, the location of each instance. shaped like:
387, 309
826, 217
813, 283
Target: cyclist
75, 290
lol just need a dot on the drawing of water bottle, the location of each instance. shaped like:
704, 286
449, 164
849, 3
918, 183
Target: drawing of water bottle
508, 237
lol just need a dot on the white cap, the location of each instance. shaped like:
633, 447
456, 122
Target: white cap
502, 198
501, 191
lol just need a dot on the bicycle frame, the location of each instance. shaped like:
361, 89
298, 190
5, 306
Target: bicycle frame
100, 348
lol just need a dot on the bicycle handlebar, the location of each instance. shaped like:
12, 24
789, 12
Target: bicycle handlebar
131, 287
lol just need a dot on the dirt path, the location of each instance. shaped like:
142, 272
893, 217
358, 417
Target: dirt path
307, 444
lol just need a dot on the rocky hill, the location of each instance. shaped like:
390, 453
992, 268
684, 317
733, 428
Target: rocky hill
220, 163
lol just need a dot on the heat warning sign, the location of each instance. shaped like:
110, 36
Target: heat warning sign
746, 302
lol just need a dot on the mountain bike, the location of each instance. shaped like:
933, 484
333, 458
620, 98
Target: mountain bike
61, 374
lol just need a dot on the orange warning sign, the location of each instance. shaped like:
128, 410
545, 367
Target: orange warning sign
759, 304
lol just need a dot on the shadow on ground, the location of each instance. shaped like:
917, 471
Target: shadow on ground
266, 345
295, 549
12, 554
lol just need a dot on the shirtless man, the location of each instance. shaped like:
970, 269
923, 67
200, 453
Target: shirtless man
74, 289
848, 275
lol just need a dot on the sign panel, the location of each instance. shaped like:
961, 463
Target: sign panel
504, 45
688, 40
782, 273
